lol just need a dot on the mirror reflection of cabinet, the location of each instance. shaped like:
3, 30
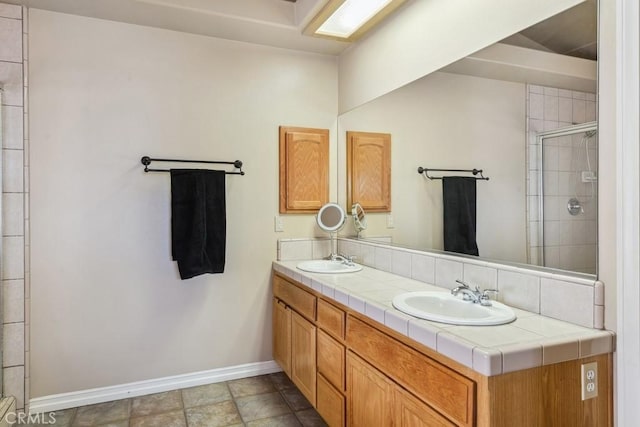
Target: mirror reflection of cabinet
369, 170
304, 169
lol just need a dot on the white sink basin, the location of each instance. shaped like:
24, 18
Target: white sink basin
446, 308
328, 266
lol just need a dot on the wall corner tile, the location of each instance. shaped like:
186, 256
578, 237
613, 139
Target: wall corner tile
596, 344
598, 316
487, 361
598, 297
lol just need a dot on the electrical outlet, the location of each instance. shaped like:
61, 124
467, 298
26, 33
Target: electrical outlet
278, 225
589, 380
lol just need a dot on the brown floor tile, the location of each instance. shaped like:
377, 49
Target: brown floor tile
310, 418
281, 381
102, 413
261, 406
216, 415
124, 423
205, 395
251, 386
156, 403
168, 419
295, 399
55, 418
288, 420
263, 401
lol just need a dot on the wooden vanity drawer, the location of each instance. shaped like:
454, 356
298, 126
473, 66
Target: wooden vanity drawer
448, 392
331, 319
300, 300
331, 359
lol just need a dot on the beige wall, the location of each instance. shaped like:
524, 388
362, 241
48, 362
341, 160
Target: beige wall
107, 306
111, 93
424, 36
455, 122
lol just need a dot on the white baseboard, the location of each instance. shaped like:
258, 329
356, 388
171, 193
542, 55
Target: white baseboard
61, 401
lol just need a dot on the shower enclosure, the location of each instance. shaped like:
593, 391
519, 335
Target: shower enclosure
567, 199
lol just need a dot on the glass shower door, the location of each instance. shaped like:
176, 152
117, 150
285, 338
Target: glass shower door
569, 198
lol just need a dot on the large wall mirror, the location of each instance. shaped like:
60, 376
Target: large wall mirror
523, 111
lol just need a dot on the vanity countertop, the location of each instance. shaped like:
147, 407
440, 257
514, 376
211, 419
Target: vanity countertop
529, 341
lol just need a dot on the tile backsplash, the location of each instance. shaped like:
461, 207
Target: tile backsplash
301, 249
579, 300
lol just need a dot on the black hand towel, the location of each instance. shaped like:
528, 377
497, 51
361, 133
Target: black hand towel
459, 200
198, 221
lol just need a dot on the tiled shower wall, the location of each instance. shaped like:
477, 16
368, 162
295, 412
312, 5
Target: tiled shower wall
570, 241
15, 222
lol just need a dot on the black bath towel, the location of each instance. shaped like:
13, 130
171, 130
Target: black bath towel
198, 221
459, 200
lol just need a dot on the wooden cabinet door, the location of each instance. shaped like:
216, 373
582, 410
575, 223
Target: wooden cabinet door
411, 412
369, 170
304, 169
282, 335
330, 403
369, 395
303, 356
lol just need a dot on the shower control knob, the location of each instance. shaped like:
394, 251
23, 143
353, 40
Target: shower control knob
574, 207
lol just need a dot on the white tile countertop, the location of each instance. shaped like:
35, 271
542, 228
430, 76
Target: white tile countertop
529, 341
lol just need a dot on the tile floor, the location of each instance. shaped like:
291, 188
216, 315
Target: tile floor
263, 401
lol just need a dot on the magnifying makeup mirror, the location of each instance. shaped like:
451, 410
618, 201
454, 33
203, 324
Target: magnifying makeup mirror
331, 218
359, 218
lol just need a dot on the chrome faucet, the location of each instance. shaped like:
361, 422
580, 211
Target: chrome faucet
467, 293
475, 296
346, 259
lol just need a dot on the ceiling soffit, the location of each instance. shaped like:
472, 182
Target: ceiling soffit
280, 23
276, 23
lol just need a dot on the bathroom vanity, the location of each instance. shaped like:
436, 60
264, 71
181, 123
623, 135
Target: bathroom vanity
363, 363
